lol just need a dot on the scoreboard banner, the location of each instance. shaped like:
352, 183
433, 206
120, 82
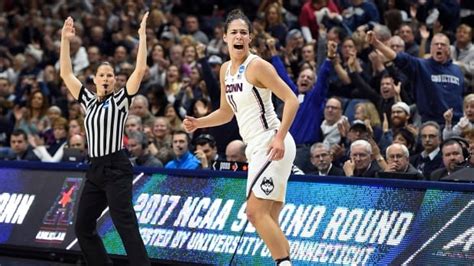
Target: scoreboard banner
186, 217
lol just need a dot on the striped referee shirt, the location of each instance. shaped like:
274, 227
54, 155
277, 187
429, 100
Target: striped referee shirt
105, 121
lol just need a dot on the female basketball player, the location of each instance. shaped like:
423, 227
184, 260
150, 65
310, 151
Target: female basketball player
247, 83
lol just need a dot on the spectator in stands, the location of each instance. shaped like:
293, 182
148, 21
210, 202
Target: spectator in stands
173, 118
6, 125
405, 137
184, 159
430, 158
30, 70
358, 130
158, 64
309, 56
235, 151
192, 28
453, 157
172, 82
121, 80
120, 57
292, 56
32, 118
206, 150
438, 83
332, 116
53, 113
367, 112
469, 136
75, 110
215, 63
78, 141
133, 124
217, 45
399, 119
361, 12
398, 160
6, 88
79, 57
307, 18
157, 100
192, 87
189, 55
462, 53
465, 123
76, 126
137, 146
19, 148
161, 144
397, 44
140, 107
273, 22
361, 163
53, 153
321, 158
76, 150
407, 33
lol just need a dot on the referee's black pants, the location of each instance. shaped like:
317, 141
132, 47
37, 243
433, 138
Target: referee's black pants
109, 182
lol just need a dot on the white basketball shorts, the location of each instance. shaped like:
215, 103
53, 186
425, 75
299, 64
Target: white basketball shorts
269, 178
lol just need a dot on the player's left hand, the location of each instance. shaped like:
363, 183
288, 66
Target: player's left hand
276, 149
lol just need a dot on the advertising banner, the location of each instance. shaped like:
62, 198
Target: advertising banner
37, 207
199, 219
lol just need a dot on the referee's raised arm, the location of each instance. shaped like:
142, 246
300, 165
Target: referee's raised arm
133, 83
65, 70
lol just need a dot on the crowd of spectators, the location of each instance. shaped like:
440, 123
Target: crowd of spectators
396, 96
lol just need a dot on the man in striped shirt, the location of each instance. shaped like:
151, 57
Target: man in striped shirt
109, 178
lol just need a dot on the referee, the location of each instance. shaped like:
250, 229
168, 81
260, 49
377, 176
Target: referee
109, 178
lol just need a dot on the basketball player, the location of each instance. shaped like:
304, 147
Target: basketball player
247, 83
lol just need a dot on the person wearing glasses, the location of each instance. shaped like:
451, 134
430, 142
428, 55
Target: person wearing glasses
321, 158
430, 158
332, 117
398, 160
361, 163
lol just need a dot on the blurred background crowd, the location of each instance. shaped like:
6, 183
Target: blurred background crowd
361, 113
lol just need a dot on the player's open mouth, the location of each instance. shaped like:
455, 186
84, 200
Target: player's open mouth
239, 46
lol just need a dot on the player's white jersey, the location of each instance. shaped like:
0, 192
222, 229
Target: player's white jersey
252, 106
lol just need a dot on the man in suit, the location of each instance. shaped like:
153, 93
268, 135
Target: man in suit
20, 150
360, 163
321, 158
398, 162
430, 158
452, 157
